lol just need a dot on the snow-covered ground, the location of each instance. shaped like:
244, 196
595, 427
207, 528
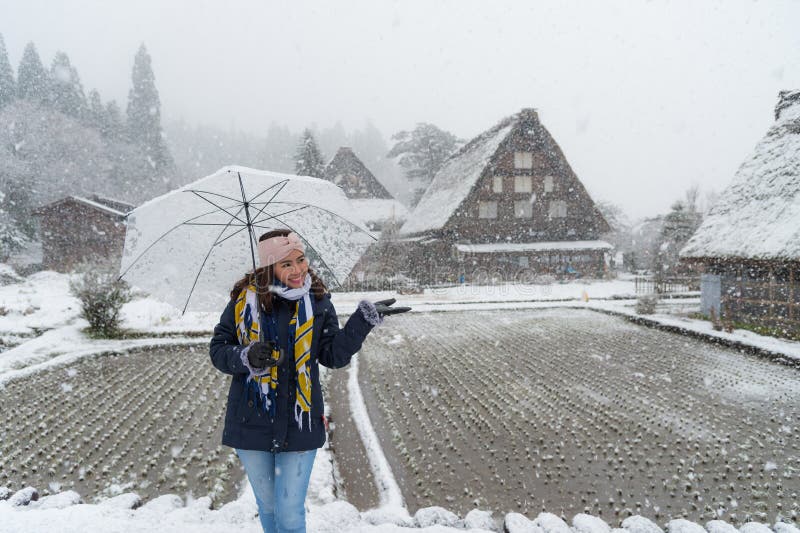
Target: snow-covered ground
39, 317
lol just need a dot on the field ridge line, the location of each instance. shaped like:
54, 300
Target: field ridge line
388, 488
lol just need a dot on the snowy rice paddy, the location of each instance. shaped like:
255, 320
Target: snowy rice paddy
147, 421
573, 411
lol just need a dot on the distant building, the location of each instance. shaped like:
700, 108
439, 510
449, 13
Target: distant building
749, 243
507, 205
370, 199
77, 230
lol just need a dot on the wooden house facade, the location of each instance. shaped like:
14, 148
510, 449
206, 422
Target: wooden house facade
76, 230
749, 243
506, 206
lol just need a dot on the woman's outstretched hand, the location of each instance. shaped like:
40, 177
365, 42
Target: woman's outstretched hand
383, 307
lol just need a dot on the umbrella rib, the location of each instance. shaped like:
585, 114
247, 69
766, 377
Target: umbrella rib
237, 232
219, 207
260, 211
184, 223
270, 217
280, 184
214, 224
197, 191
211, 249
332, 213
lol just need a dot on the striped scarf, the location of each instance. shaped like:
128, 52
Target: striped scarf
301, 330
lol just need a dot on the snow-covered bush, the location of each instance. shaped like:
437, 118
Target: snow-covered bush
102, 296
646, 304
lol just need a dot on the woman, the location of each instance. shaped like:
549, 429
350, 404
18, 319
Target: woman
279, 324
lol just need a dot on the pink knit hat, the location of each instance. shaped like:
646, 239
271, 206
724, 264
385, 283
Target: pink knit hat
272, 250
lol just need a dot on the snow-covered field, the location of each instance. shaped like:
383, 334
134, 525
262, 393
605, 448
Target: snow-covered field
40, 331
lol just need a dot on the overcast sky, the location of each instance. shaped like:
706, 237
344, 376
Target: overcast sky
644, 98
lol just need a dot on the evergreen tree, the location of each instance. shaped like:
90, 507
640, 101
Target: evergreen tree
107, 119
66, 91
8, 88
97, 112
32, 80
679, 225
309, 161
113, 126
422, 152
144, 113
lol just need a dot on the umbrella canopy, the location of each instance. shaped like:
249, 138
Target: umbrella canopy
189, 246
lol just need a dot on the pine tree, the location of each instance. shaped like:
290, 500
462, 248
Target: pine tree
66, 91
679, 225
113, 126
144, 113
32, 80
97, 112
422, 152
8, 88
309, 161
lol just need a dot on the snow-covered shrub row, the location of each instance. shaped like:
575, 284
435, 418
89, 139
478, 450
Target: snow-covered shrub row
564, 409
147, 421
17, 511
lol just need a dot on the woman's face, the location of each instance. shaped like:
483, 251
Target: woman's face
292, 269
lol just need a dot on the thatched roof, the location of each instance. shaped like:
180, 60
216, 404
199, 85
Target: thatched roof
758, 215
348, 172
454, 181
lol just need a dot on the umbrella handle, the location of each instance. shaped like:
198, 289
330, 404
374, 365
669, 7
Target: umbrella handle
281, 357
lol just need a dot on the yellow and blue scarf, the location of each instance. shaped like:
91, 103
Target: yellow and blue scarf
301, 330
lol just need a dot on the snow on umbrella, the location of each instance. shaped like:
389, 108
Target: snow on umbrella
190, 245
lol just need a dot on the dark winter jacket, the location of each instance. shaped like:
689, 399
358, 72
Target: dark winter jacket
249, 427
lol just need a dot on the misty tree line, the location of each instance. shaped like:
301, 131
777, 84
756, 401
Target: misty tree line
59, 141
419, 153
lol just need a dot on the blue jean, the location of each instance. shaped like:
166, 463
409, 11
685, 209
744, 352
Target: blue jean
280, 483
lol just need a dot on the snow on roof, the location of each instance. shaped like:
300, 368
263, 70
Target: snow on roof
455, 180
372, 210
533, 246
113, 202
91, 203
758, 215
99, 206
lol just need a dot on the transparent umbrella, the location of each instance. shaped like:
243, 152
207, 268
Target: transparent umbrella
189, 246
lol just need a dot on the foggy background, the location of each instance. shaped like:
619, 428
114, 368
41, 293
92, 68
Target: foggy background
645, 98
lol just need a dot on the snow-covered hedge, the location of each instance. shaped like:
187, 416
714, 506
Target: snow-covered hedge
24, 511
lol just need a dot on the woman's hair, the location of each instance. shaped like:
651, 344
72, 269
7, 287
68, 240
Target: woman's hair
264, 277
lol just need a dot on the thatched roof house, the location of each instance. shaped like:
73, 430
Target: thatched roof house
758, 215
370, 199
348, 172
751, 237
510, 184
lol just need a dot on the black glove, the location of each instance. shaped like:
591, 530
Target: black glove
383, 309
259, 354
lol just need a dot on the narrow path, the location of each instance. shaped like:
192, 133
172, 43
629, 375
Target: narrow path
356, 478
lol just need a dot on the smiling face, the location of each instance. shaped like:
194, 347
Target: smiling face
292, 269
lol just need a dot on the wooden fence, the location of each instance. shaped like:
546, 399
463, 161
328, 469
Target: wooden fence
671, 285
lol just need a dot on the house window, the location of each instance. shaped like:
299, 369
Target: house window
523, 160
497, 184
523, 209
523, 184
487, 209
558, 209
548, 184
